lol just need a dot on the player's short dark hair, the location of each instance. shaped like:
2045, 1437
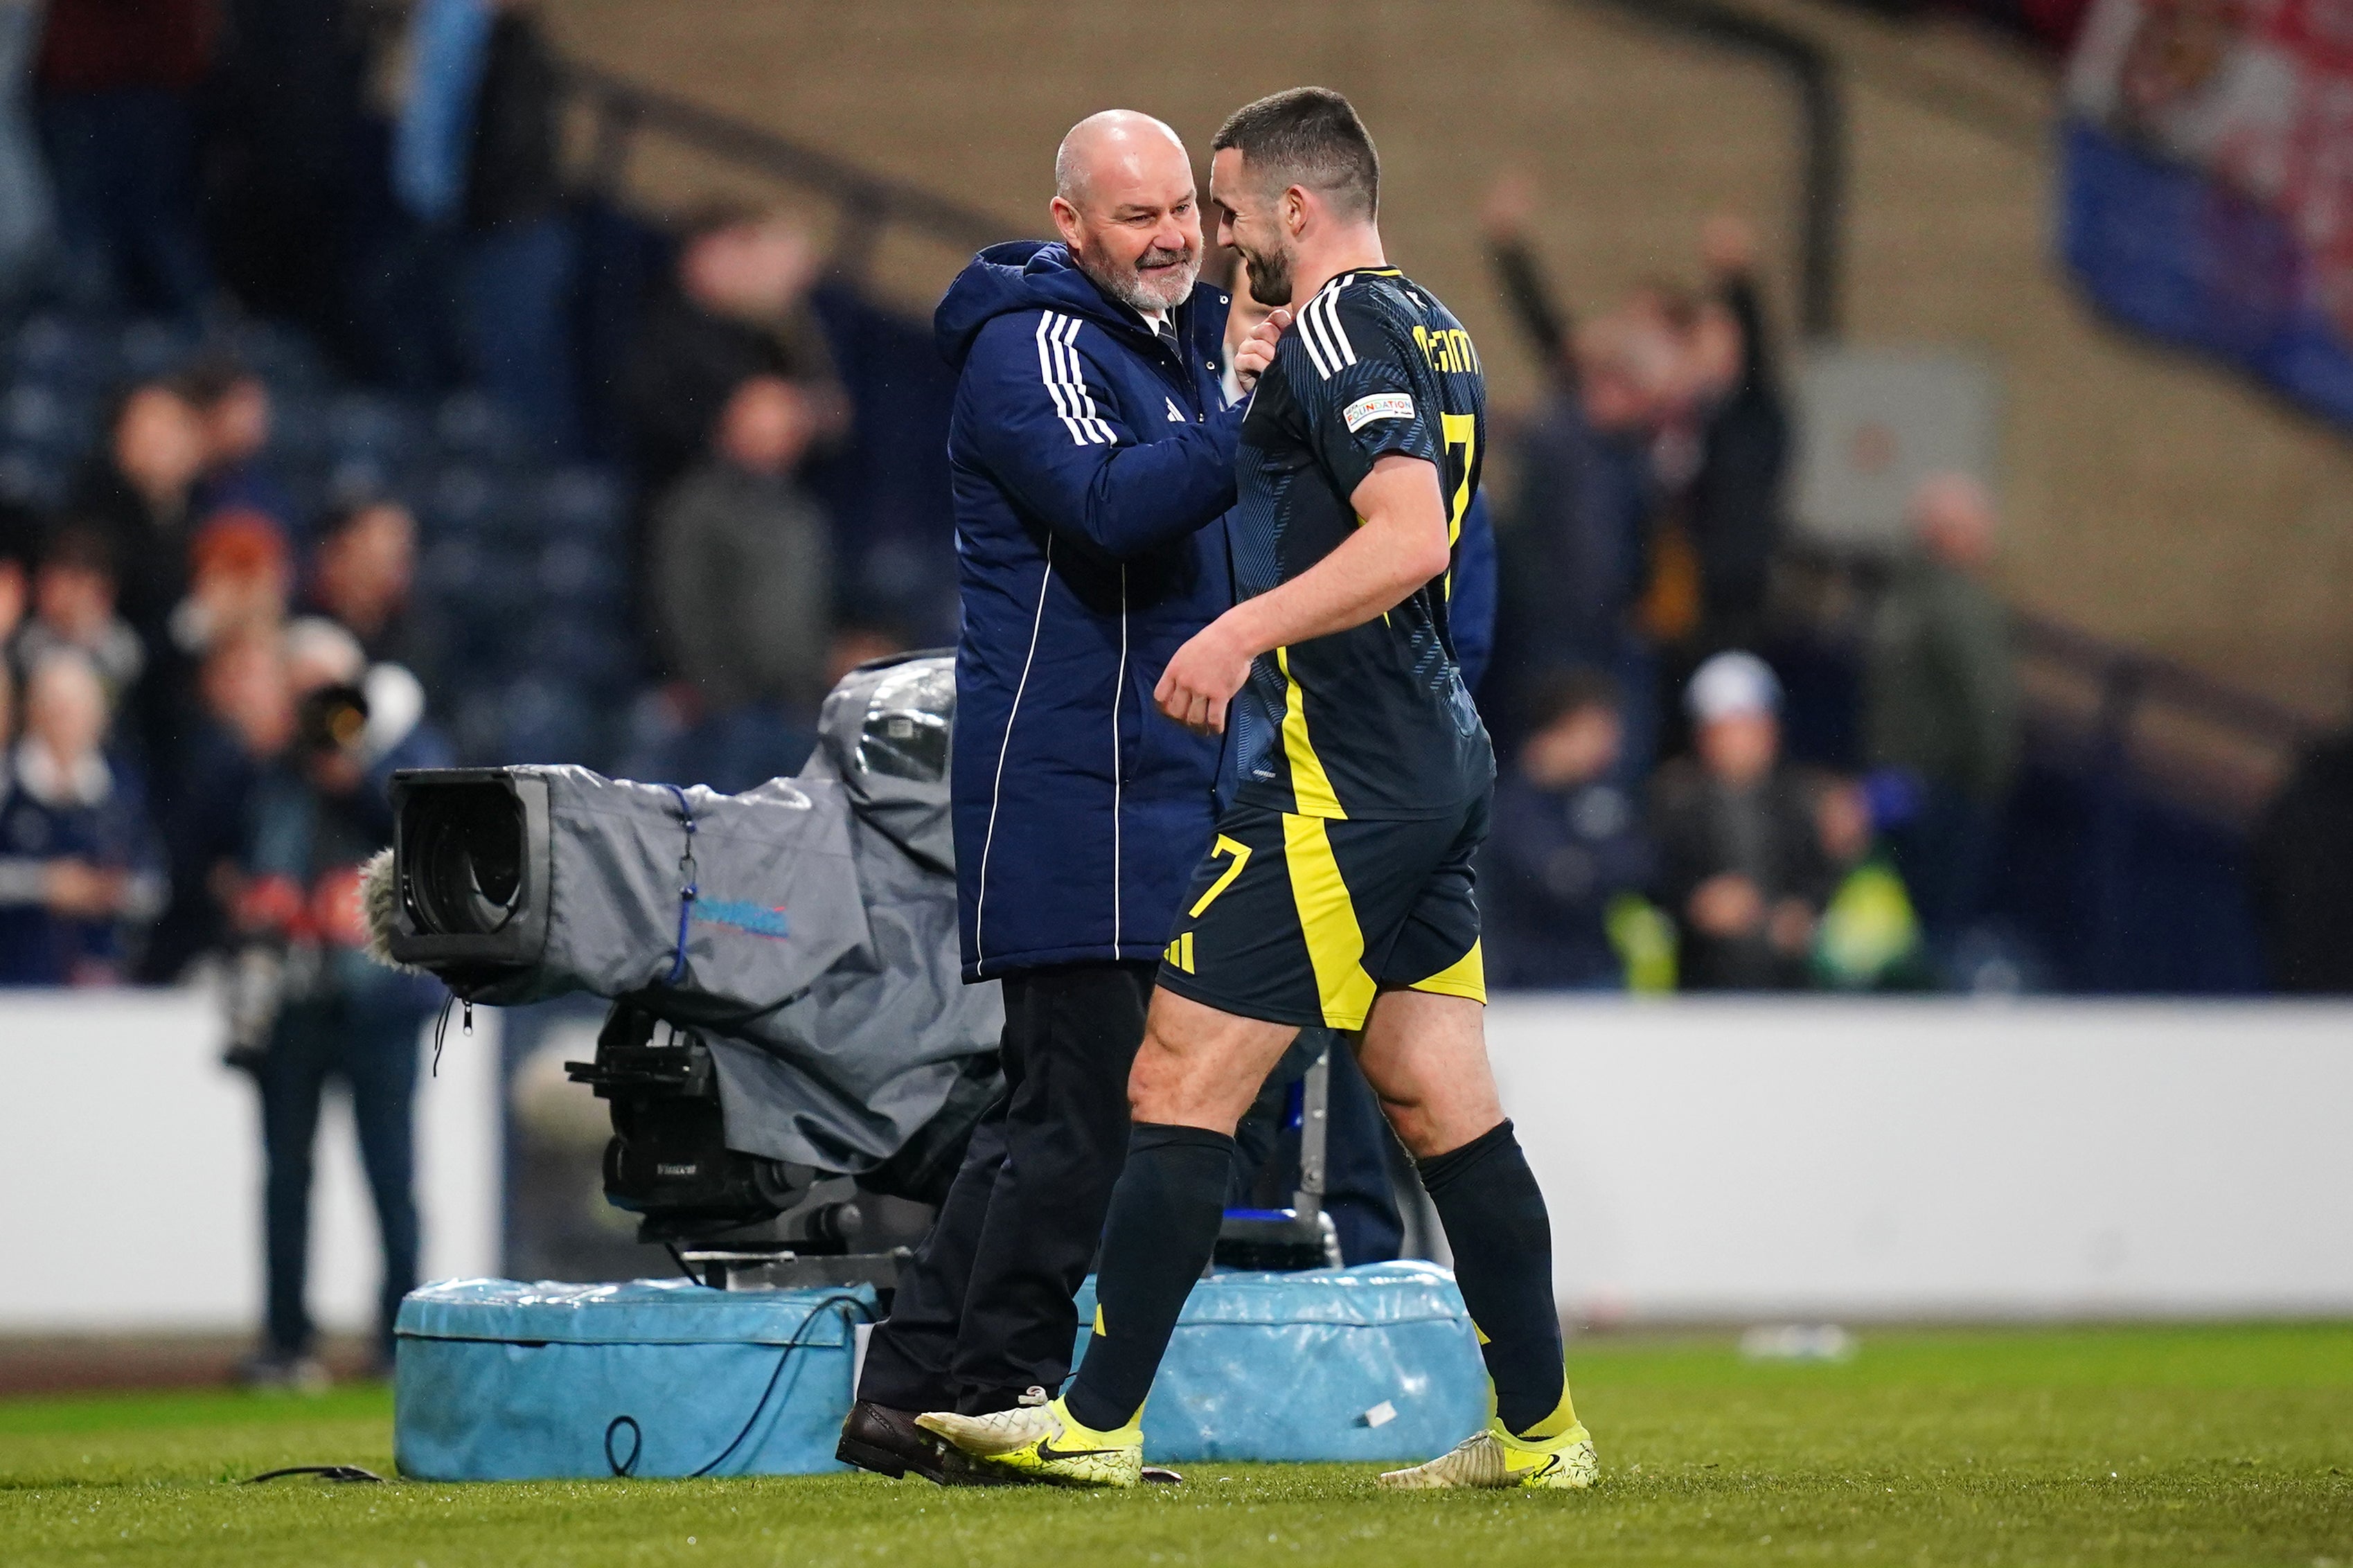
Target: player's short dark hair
1562, 692
1308, 136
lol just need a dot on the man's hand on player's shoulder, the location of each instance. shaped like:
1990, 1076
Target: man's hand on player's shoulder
1257, 350
1203, 677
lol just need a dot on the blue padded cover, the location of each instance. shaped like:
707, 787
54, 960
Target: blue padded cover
1298, 1366
500, 1379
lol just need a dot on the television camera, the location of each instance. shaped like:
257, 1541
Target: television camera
788, 1026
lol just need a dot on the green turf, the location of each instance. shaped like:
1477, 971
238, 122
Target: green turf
2142, 1446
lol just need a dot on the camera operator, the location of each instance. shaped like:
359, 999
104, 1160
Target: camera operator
309, 1004
1093, 458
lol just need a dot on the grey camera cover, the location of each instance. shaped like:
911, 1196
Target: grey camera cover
884, 733
820, 953
777, 899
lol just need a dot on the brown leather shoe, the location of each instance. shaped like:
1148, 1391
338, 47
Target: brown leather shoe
889, 1443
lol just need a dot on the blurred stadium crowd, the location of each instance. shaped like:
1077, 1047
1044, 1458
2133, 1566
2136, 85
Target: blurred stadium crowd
1651, 829
341, 431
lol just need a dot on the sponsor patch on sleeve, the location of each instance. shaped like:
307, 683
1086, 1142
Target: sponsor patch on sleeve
1379, 405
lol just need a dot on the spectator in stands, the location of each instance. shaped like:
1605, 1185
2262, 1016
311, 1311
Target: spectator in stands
476, 158
362, 573
239, 574
139, 492
16, 591
78, 871
1869, 936
737, 307
284, 111
136, 493
317, 816
247, 722
232, 408
1567, 843
118, 85
1733, 505
1573, 546
743, 588
73, 607
1940, 703
1741, 862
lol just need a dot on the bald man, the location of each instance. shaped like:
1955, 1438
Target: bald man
1093, 450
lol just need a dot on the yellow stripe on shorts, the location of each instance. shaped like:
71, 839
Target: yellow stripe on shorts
1466, 976
1335, 943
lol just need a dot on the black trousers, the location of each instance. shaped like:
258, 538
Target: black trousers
984, 1312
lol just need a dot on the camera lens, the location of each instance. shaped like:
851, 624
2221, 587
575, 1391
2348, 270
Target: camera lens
463, 860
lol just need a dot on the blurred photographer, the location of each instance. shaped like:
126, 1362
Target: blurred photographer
306, 1003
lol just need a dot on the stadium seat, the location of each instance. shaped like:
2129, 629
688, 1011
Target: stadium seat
369, 425
464, 498
579, 502
471, 425
151, 348
578, 574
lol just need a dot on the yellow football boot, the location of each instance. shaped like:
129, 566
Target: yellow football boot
1044, 1443
1494, 1459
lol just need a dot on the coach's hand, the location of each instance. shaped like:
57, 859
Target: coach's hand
1203, 677
1257, 350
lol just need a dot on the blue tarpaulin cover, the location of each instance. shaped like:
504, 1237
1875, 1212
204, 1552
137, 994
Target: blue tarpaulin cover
500, 1380
1379, 1361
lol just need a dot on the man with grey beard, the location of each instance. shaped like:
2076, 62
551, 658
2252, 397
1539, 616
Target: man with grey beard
1093, 452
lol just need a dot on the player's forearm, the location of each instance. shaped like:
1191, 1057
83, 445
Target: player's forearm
1399, 544
1373, 573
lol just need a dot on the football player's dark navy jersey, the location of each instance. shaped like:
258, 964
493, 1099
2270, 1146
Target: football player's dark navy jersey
1373, 721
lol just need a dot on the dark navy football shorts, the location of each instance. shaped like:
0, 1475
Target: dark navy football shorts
1302, 920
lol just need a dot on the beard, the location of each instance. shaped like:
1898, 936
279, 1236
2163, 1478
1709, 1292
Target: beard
1158, 279
1269, 275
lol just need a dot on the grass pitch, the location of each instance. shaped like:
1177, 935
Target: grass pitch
2167, 1446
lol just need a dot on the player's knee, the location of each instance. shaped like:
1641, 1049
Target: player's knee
1154, 1084
1411, 1120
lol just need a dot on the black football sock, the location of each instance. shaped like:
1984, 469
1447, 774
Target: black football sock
1164, 1222
1493, 1213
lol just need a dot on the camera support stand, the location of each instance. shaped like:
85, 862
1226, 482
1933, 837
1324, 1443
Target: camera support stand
1302, 1236
780, 1269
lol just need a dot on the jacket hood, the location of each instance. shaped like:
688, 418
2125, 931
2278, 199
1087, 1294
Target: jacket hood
1022, 275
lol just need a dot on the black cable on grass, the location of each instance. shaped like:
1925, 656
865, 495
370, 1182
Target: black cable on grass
784, 1353
324, 1472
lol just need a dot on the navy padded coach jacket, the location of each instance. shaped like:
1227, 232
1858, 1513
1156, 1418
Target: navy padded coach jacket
1093, 466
